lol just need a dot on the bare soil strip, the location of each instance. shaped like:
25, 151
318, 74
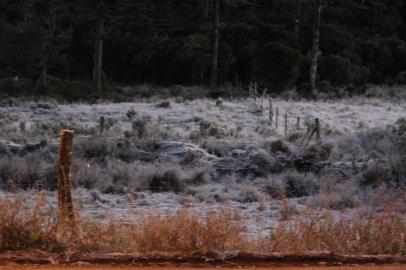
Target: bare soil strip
200, 260
105, 267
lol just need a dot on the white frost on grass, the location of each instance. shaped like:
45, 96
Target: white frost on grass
240, 116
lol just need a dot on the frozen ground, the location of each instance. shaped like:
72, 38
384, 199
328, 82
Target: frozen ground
242, 116
260, 194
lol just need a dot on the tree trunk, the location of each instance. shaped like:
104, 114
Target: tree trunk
50, 23
315, 53
297, 22
98, 55
216, 40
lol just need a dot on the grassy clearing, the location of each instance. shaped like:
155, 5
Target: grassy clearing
188, 232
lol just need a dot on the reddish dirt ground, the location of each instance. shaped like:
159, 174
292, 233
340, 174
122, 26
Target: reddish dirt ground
84, 267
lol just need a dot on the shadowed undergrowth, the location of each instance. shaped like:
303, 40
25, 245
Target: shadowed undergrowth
187, 232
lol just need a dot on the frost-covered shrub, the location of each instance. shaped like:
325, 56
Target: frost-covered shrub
131, 113
248, 195
374, 175
343, 200
170, 180
300, 185
275, 187
139, 126
90, 175
208, 128
279, 146
400, 127
96, 147
27, 173
147, 134
198, 178
164, 104
264, 163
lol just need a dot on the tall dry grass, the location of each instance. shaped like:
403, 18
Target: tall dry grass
360, 233
185, 232
188, 232
27, 228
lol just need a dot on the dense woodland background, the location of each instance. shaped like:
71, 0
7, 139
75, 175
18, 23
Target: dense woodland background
67, 47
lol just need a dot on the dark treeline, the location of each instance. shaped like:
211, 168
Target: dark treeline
279, 44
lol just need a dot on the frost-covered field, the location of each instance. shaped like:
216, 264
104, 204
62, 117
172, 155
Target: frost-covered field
343, 116
164, 155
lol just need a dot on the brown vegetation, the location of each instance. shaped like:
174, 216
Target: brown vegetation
186, 232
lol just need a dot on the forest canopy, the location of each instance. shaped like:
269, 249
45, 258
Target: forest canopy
168, 42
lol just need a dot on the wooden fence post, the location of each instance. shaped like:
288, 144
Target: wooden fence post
286, 123
317, 122
66, 215
298, 124
277, 117
102, 124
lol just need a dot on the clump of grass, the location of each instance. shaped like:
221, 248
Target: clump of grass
131, 113
165, 104
23, 229
147, 134
210, 129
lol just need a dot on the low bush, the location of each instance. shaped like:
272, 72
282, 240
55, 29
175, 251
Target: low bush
164, 104
169, 180
300, 185
211, 129
279, 146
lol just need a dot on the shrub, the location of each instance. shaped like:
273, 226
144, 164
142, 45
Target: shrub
140, 127
279, 146
29, 172
248, 195
169, 180
90, 175
300, 185
374, 176
199, 178
164, 104
96, 147
208, 128
274, 187
400, 127
131, 113
263, 163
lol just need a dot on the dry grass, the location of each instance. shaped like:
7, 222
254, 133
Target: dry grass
185, 232
188, 232
361, 233
23, 228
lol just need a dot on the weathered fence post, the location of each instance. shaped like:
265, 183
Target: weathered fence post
317, 122
286, 123
102, 124
298, 124
270, 112
277, 117
66, 217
